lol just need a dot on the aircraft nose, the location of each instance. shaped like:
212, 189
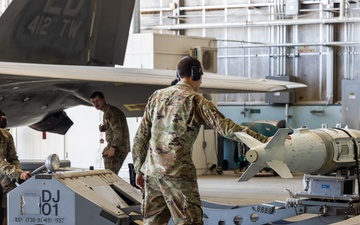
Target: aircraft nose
252, 156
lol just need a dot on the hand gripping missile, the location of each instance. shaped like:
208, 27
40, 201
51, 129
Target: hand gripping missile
320, 151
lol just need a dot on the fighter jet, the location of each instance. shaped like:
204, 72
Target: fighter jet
54, 54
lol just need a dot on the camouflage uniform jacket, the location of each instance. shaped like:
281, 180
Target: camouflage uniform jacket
170, 125
9, 162
117, 132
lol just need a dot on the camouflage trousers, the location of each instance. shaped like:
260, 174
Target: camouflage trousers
163, 199
6, 187
115, 162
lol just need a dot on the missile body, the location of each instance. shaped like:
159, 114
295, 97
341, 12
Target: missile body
319, 151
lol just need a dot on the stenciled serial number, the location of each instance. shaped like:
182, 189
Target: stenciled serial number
56, 220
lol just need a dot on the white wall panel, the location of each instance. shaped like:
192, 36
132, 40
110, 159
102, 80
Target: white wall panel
32, 144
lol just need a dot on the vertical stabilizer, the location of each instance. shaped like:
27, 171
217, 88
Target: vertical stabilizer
73, 32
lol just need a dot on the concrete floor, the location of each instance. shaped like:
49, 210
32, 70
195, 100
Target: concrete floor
225, 189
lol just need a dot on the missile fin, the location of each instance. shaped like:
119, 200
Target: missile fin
248, 140
278, 139
280, 168
251, 171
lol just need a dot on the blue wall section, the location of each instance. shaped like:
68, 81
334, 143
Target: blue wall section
313, 117
299, 115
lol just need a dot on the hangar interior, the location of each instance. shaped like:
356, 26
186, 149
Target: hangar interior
311, 42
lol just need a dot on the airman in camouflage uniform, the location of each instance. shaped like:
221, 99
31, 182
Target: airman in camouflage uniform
162, 149
116, 133
10, 168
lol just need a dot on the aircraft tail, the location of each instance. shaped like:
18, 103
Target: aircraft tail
259, 161
73, 32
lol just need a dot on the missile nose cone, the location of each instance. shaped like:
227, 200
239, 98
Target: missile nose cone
252, 156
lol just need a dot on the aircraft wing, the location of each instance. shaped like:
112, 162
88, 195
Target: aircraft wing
30, 93
54, 54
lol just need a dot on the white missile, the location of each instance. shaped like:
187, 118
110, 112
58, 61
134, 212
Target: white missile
319, 151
